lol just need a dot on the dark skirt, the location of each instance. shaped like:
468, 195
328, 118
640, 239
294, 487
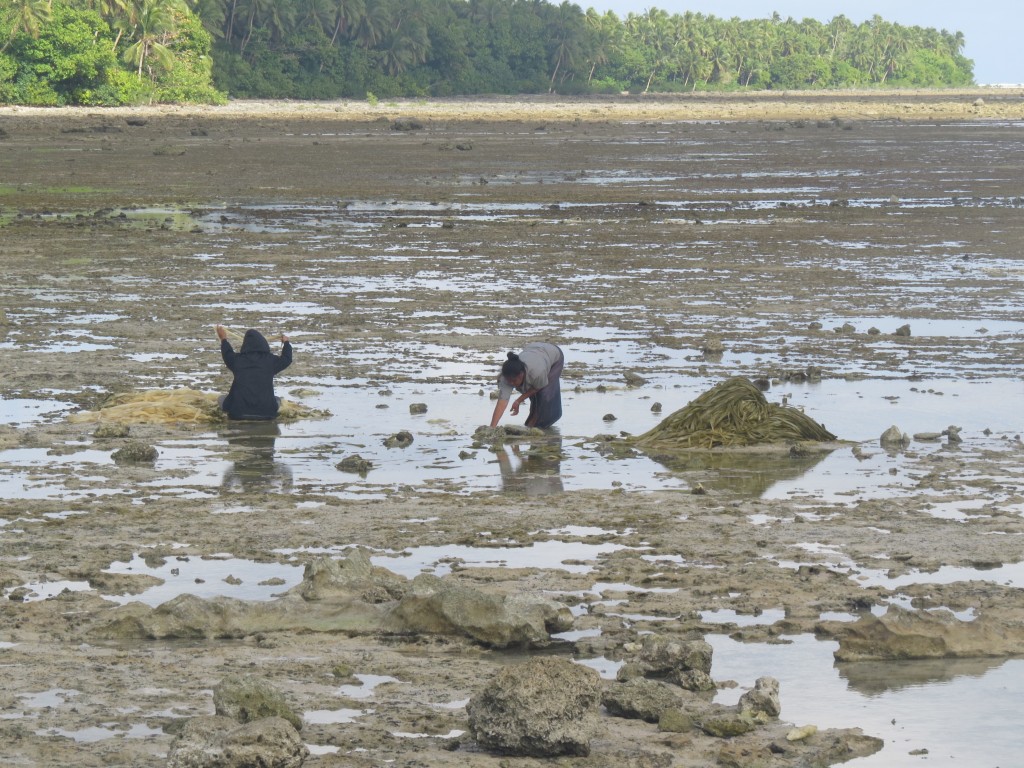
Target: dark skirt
546, 405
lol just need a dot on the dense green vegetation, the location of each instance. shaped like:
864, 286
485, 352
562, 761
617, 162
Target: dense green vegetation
137, 51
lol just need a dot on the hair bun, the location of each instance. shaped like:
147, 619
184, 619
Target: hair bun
513, 356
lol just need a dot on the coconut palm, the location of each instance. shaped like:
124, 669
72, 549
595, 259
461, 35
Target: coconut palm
403, 47
604, 39
26, 16
347, 15
154, 23
371, 27
567, 35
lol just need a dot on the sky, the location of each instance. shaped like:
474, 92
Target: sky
993, 29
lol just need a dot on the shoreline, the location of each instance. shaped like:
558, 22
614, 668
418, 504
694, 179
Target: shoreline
981, 103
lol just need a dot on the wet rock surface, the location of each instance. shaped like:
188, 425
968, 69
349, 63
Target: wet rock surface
119, 259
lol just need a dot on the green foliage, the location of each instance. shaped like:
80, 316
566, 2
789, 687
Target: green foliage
68, 62
927, 69
188, 76
800, 70
60, 52
73, 58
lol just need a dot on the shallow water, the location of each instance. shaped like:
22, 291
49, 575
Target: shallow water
907, 704
443, 456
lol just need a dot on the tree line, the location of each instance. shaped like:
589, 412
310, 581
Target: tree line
136, 51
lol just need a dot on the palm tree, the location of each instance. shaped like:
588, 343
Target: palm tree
839, 28
347, 15
897, 43
373, 25
274, 16
212, 13
604, 38
120, 14
566, 35
155, 23
26, 16
403, 47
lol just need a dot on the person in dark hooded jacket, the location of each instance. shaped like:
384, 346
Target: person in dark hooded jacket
251, 396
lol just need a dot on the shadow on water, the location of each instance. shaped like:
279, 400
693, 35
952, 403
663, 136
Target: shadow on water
746, 474
251, 451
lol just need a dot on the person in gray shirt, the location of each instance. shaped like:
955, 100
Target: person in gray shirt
534, 373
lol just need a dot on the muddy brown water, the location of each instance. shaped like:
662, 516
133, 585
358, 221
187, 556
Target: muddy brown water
403, 264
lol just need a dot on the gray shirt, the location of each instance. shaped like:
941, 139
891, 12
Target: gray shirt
538, 357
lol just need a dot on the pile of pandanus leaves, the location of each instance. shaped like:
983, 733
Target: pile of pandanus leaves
175, 406
733, 413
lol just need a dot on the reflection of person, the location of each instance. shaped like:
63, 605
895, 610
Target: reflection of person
251, 396
535, 373
253, 467
538, 473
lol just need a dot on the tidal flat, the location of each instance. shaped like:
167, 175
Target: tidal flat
861, 253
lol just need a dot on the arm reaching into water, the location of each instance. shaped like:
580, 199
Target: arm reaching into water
499, 409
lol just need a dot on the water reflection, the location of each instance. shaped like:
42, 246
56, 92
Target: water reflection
253, 467
535, 471
872, 678
745, 473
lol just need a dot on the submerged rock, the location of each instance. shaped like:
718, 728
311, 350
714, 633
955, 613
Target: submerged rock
546, 707
894, 438
712, 346
401, 439
355, 463
135, 453
634, 379
487, 434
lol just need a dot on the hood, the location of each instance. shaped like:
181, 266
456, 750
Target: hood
254, 342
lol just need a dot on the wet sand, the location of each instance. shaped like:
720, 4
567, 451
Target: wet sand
129, 233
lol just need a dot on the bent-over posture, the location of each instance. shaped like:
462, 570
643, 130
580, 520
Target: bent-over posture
535, 373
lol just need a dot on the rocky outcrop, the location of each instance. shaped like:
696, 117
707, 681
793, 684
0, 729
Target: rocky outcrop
763, 700
353, 597
354, 576
903, 634
545, 707
687, 663
822, 748
640, 699
246, 698
220, 742
437, 606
